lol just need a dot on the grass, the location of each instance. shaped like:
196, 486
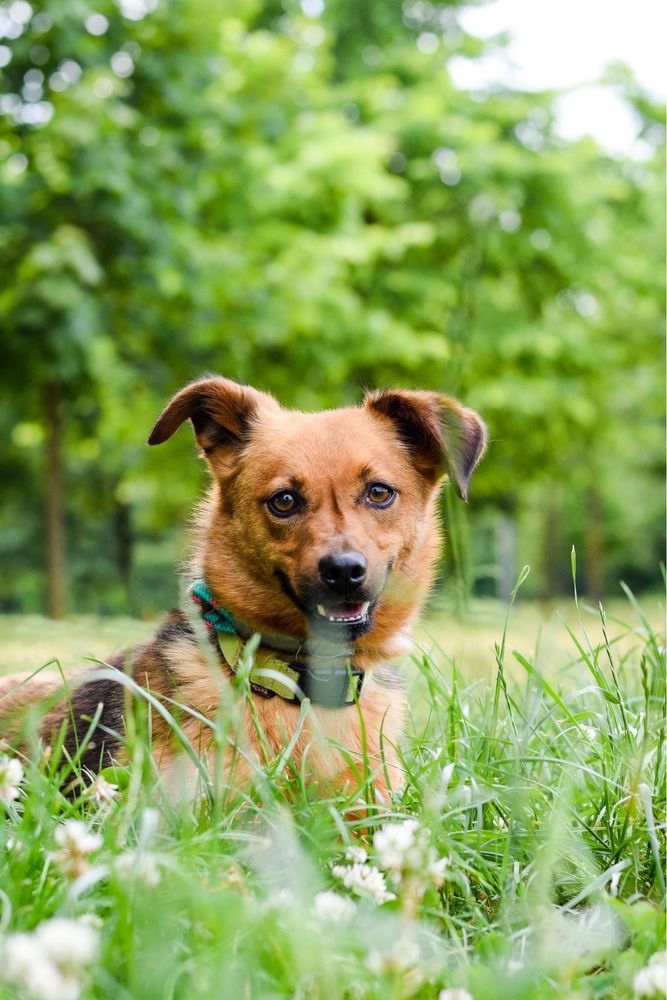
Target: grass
540, 777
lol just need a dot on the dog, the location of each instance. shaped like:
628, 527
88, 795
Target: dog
319, 536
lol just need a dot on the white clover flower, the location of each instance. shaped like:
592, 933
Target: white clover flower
332, 908
364, 880
356, 854
51, 963
76, 841
446, 774
280, 899
101, 791
403, 850
138, 866
70, 944
454, 993
11, 776
651, 981
436, 870
404, 959
396, 845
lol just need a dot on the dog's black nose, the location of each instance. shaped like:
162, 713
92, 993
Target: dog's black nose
343, 573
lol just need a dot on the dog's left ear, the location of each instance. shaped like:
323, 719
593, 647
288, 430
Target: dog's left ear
440, 434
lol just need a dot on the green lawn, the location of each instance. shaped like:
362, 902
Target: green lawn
523, 861
466, 638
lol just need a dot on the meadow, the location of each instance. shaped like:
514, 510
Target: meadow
524, 858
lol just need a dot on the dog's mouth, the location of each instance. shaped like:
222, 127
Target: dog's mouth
345, 613
334, 618
342, 620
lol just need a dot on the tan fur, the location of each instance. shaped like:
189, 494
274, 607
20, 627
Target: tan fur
264, 570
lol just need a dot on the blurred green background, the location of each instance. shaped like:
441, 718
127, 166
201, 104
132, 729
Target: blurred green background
298, 196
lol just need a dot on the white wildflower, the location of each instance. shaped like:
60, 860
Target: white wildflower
436, 870
403, 849
454, 993
590, 732
396, 846
76, 841
446, 774
11, 776
404, 959
651, 981
364, 880
332, 908
280, 899
101, 791
70, 944
51, 963
356, 854
138, 866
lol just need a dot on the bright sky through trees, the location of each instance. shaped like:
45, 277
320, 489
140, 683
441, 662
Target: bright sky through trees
569, 44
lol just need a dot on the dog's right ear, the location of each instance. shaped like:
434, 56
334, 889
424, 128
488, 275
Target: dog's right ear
221, 412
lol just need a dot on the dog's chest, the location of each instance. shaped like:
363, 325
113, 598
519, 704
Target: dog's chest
332, 745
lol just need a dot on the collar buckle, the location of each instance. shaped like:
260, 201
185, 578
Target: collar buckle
331, 687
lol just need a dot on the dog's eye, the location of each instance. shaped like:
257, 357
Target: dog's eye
283, 503
380, 495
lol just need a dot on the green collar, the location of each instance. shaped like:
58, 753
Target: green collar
333, 685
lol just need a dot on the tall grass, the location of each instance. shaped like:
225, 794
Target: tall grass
546, 795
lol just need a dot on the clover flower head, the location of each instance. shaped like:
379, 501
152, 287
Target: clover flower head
404, 851
651, 981
404, 960
332, 908
101, 791
364, 880
75, 841
11, 776
356, 854
138, 866
51, 963
396, 845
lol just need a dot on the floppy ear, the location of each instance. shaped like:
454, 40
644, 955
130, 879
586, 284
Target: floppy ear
440, 434
221, 412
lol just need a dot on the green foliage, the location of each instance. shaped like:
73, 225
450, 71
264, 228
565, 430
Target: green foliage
307, 203
545, 794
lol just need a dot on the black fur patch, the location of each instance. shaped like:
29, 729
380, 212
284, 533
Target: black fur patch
105, 741
175, 627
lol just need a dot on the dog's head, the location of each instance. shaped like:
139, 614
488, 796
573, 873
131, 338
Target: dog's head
323, 523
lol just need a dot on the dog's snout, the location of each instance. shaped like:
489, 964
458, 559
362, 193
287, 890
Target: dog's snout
343, 573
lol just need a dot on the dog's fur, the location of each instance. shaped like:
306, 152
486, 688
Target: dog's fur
266, 570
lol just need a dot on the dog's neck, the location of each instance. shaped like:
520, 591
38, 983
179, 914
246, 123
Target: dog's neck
281, 665
219, 618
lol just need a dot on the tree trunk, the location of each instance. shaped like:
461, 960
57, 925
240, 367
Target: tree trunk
594, 546
122, 519
54, 510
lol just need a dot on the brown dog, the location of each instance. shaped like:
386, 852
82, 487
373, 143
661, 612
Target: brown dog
318, 532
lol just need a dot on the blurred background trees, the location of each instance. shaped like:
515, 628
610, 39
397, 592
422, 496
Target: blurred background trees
297, 196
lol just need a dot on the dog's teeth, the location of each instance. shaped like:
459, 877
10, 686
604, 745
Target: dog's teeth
361, 613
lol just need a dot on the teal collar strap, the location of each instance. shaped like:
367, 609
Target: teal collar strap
335, 684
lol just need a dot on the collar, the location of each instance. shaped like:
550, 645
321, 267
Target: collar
319, 671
